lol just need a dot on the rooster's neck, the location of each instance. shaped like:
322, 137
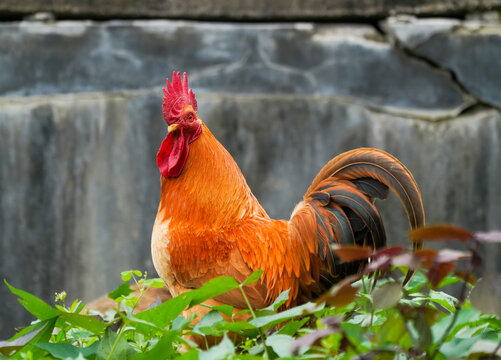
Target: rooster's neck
211, 189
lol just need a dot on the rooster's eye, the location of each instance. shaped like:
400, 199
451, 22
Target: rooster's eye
190, 117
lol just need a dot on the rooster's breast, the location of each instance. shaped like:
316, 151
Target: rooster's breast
161, 258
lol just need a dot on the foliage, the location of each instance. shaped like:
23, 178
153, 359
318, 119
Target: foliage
366, 316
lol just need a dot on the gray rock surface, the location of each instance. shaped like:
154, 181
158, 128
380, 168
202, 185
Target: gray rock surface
225, 58
245, 9
81, 121
79, 183
411, 31
470, 50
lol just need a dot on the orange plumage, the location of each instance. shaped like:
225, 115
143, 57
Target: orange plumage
210, 224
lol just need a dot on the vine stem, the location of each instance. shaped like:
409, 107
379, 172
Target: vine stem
462, 297
141, 288
494, 353
115, 344
345, 336
255, 317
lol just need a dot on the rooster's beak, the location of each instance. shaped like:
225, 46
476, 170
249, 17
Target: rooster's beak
172, 128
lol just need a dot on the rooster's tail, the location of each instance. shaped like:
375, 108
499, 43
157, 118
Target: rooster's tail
340, 205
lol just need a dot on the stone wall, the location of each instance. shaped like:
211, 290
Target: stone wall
81, 121
276, 10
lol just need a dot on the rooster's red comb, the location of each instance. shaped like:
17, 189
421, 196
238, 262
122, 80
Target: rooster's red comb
176, 96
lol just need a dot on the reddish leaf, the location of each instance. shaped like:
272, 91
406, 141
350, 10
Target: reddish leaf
344, 296
342, 293
381, 263
424, 335
443, 232
468, 277
486, 295
431, 315
352, 252
387, 296
438, 272
426, 256
489, 237
450, 255
476, 260
333, 321
390, 251
408, 260
311, 338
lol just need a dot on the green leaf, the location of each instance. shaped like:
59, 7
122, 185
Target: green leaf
279, 301
225, 309
275, 319
247, 357
189, 355
220, 351
155, 282
416, 282
391, 332
356, 334
449, 280
441, 298
68, 351
281, 344
485, 347
141, 326
292, 327
253, 277
211, 289
34, 305
164, 349
180, 323
122, 290
126, 275
77, 306
113, 348
163, 314
458, 347
25, 343
464, 318
35, 325
366, 319
240, 327
208, 320
86, 322
6, 347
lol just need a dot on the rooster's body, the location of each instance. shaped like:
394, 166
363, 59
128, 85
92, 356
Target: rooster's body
210, 224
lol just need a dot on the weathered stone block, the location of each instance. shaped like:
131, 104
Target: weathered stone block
470, 50
246, 9
225, 58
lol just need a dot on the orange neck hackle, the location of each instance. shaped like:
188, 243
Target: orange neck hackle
221, 192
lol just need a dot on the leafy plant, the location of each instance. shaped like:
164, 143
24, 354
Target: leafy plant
371, 315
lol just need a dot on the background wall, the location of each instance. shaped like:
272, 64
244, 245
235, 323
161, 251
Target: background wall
81, 119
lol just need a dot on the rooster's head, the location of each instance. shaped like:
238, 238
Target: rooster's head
184, 126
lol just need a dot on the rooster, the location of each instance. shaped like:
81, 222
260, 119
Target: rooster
209, 223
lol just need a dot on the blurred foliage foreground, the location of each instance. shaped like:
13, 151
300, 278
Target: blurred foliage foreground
368, 316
